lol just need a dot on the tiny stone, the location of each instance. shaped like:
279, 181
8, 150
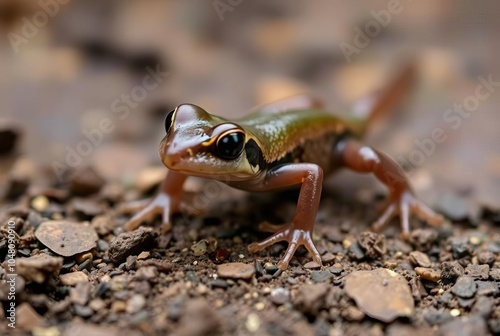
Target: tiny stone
146, 273
460, 248
450, 271
455, 312
312, 265
143, 255
428, 274
437, 317
465, 287
336, 269
271, 268
118, 306
83, 311
328, 257
487, 288
40, 203
102, 245
260, 306
321, 276
218, 283
130, 243
236, 271
71, 279
355, 252
200, 248
131, 262
486, 257
258, 267
420, 259
478, 271
495, 274
373, 244
135, 303
97, 304
252, 323
280, 296
192, 276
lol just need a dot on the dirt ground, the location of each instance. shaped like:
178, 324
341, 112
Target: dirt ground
63, 205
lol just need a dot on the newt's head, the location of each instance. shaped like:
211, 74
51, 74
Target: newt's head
200, 144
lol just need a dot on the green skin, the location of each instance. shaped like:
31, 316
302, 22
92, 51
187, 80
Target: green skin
291, 142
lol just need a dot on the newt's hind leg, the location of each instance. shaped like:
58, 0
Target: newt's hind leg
401, 201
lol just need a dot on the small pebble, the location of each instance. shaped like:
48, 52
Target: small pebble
312, 265
280, 296
236, 270
465, 287
83, 311
336, 269
478, 271
135, 303
321, 276
486, 257
428, 274
252, 322
40, 203
450, 271
200, 248
420, 259
71, 279
328, 257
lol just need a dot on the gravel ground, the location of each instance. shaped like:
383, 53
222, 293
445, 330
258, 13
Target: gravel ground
78, 273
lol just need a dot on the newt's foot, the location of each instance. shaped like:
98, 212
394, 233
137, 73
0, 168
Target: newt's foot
295, 238
405, 204
162, 204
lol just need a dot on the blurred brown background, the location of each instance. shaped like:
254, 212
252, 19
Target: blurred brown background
64, 65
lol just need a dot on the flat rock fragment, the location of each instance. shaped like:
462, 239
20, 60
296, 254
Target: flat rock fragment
66, 238
381, 294
131, 243
38, 267
236, 270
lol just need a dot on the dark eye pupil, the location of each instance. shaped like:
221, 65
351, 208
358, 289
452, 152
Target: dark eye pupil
168, 121
231, 145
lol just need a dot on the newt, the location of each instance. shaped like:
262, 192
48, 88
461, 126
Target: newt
295, 141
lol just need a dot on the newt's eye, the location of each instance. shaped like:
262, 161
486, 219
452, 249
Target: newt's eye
230, 146
168, 121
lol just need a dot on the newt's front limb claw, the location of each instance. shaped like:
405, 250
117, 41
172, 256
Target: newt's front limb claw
295, 238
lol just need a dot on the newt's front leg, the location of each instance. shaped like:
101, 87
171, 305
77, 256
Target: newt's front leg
299, 231
401, 200
170, 199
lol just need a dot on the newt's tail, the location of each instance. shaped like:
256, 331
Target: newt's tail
382, 102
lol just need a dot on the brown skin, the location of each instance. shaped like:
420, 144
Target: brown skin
291, 142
